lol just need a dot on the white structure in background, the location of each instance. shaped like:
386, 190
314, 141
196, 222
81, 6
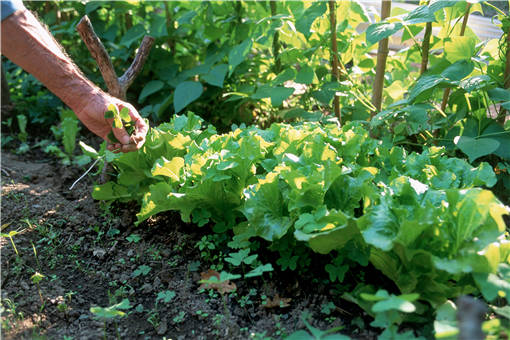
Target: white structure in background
484, 28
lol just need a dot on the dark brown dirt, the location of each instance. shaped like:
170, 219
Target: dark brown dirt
92, 255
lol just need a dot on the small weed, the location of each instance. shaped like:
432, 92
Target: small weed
13, 315
133, 238
327, 308
141, 270
165, 296
154, 253
246, 300
36, 278
179, 318
111, 312
201, 314
153, 318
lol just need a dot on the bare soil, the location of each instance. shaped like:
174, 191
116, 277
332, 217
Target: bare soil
91, 255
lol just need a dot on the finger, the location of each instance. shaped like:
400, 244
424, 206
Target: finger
121, 135
115, 148
128, 148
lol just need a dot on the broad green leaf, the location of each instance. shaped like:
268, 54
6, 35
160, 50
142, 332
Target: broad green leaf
132, 35
460, 48
70, 128
150, 88
171, 169
325, 230
159, 198
277, 94
458, 70
426, 83
158, 27
493, 285
499, 94
496, 132
186, 93
264, 209
285, 75
299, 335
217, 75
476, 148
106, 313
91, 6
305, 75
259, 271
419, 15
110, 191
305, 21
476, 83
381, 30
395, 303
238, 53
437, 5
503, 311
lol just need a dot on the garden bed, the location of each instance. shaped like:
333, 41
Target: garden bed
89, 255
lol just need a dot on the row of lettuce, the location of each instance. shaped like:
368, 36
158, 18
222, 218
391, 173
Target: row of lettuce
422, 219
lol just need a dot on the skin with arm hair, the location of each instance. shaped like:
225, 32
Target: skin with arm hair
28, 44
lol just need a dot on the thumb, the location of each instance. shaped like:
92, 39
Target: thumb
121, 135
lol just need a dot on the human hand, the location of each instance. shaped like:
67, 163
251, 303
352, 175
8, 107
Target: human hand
93, 117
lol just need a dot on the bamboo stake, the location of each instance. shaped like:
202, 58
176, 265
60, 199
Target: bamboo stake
382, 55
447, 90
334, 56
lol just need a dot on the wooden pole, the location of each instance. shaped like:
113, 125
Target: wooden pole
382, 55
334, 57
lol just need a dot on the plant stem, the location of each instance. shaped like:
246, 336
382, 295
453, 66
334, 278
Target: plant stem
446, 93
334, 56
382, 55
507, 64
276, 42
425, 47
170, 27
13, 245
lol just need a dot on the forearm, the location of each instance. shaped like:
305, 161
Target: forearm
28, 44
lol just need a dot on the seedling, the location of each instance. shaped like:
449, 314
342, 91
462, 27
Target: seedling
315, 333
121, 119
112, 312
36, 278
141, 270
9, 235
133, 238
179, 317
165, 296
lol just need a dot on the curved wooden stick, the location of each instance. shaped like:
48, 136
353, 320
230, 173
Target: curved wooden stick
117, 86
136, 66
102, 58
